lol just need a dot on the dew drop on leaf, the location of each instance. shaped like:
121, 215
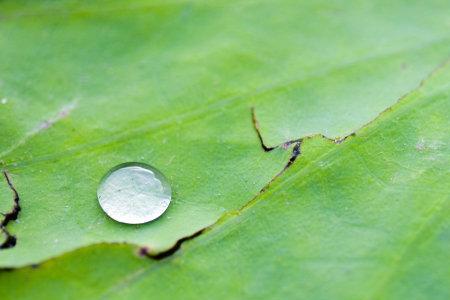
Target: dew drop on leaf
134, 193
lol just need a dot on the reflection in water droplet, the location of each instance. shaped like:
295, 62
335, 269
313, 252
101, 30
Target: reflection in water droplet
134, 193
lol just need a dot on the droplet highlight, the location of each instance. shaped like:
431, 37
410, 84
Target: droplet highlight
134, 193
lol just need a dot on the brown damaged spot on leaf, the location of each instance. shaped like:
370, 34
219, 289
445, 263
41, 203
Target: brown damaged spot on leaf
10, 240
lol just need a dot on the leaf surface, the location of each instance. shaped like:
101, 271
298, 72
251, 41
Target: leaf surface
367, 218
172, 84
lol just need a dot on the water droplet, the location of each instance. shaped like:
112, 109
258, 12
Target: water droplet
134, 193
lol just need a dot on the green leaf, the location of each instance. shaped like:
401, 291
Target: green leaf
367, 218
85, 87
